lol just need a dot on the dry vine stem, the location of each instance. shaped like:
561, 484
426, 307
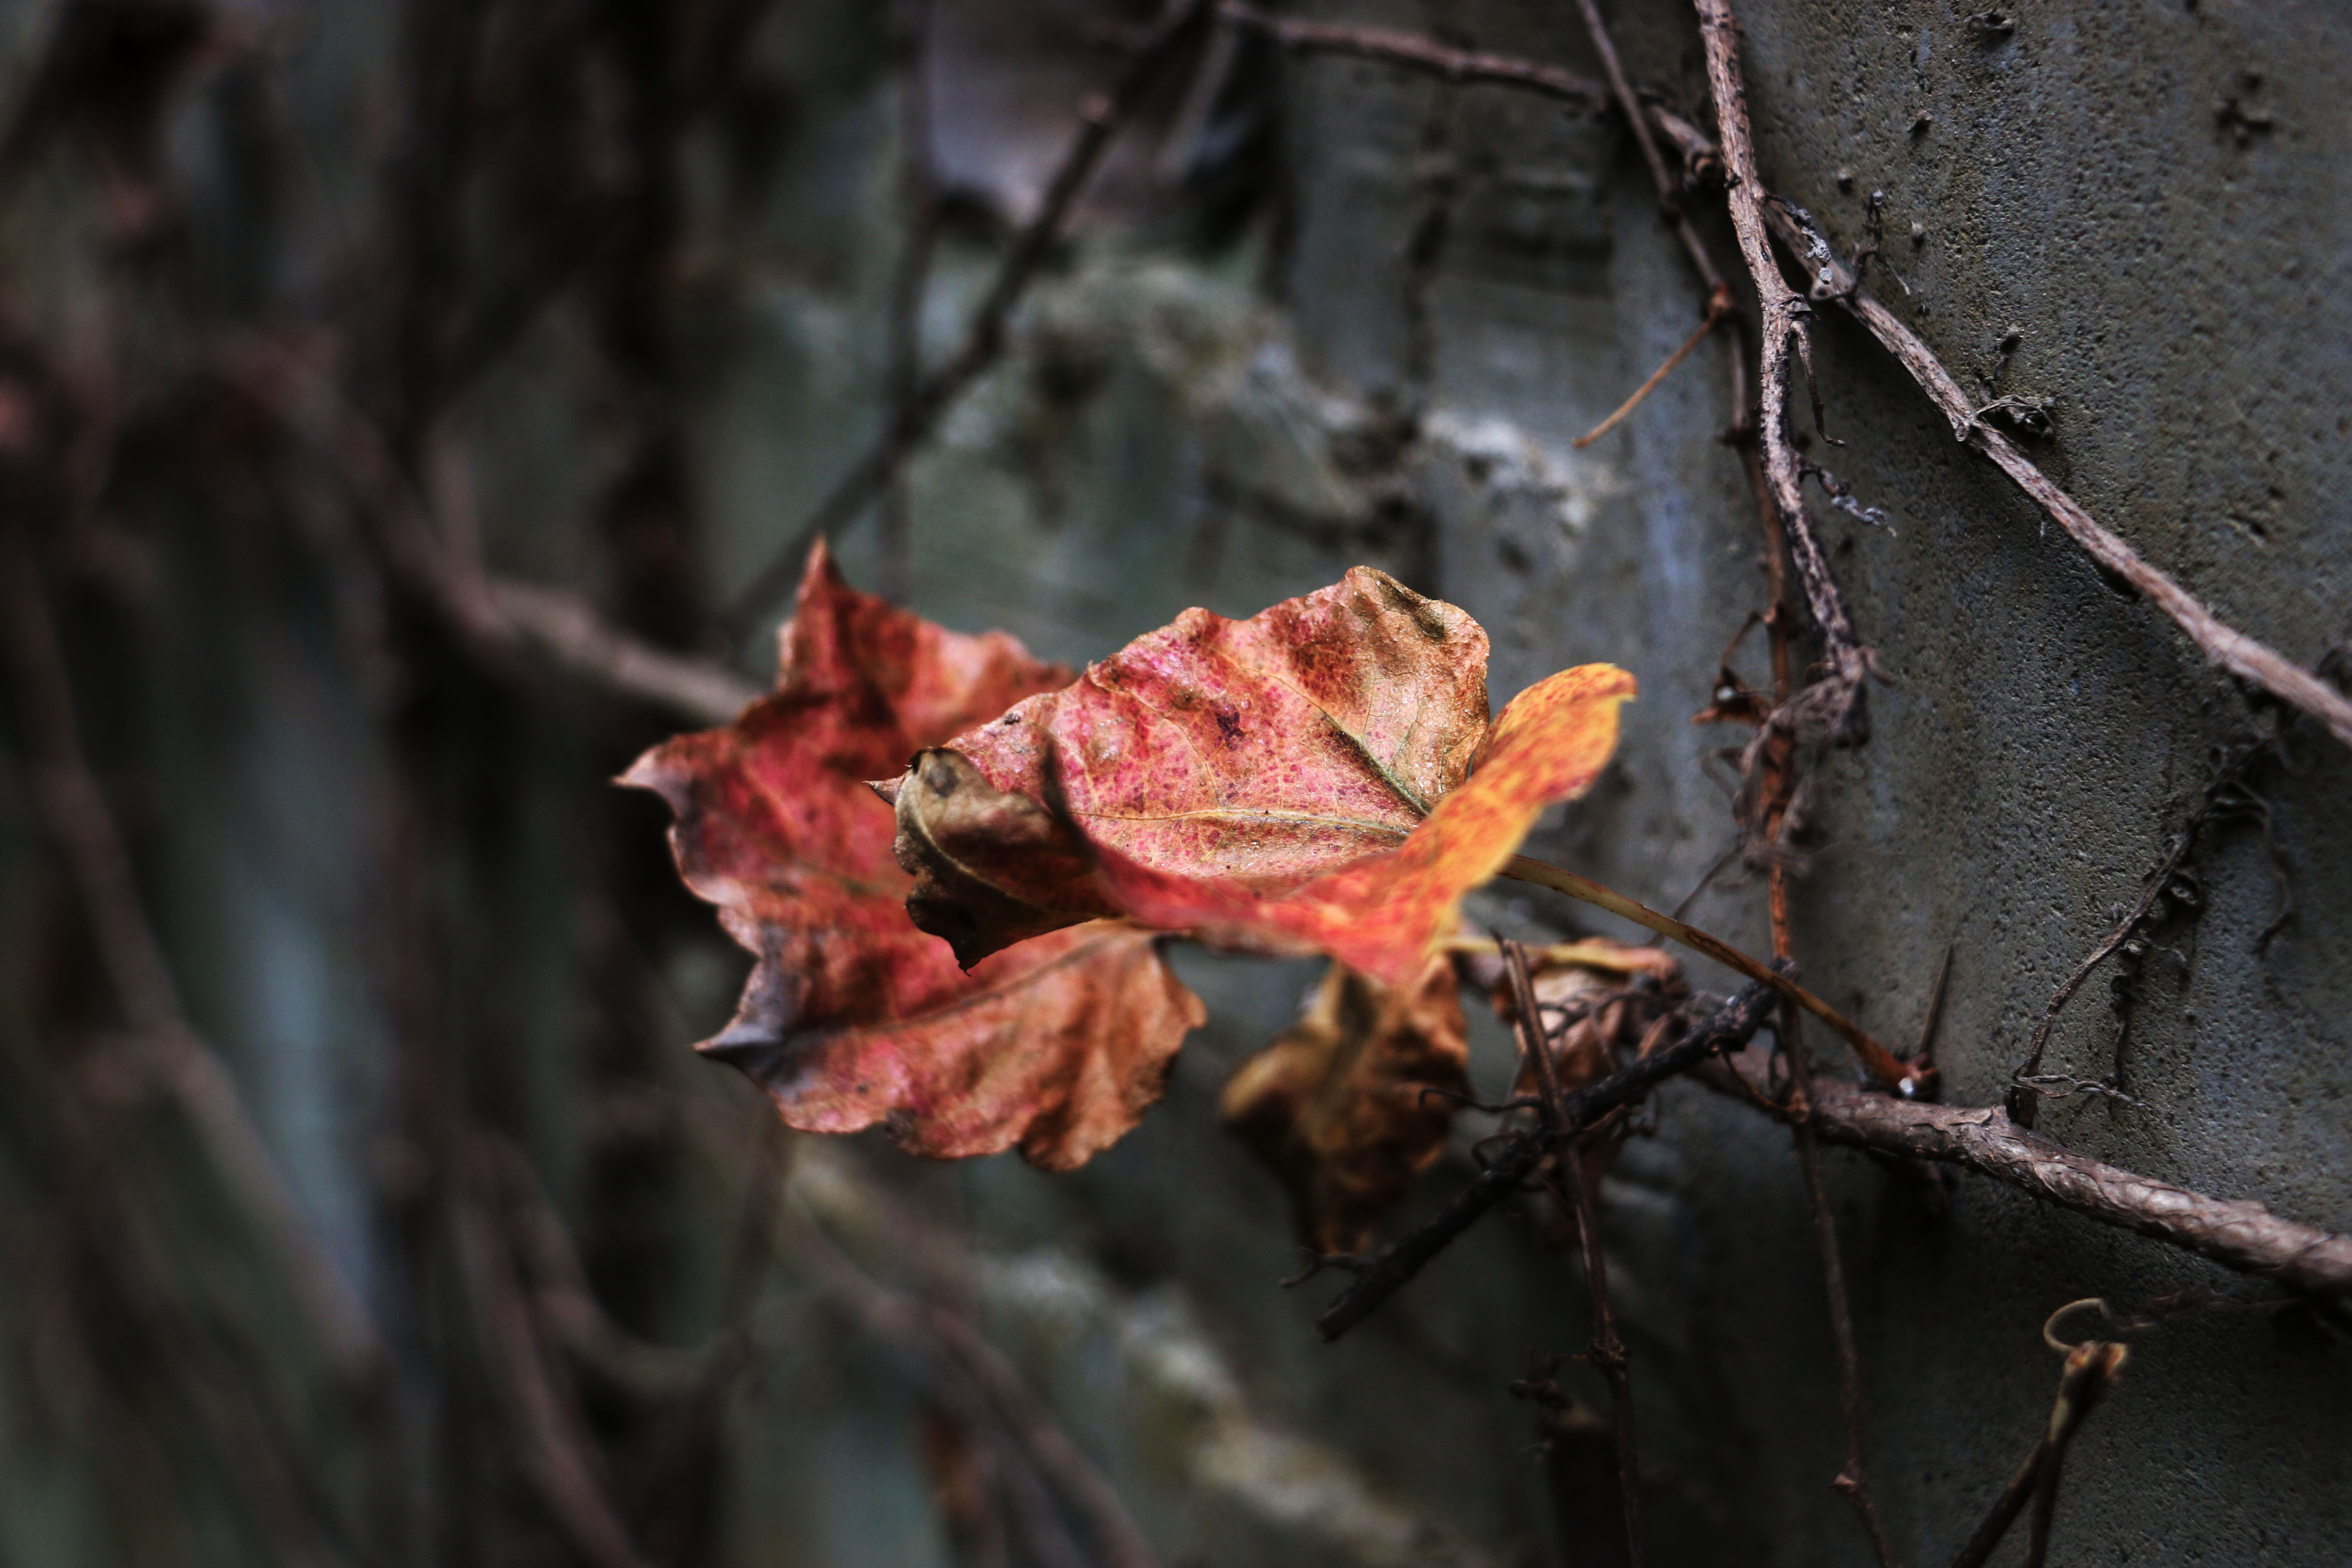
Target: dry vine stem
2232, 649
984, 1391
1101, 119
1387, 1271
1853, 1480
2091, 1368
1785, 342
1607, 1352
2239, 1234
1411, 51
1880, 1061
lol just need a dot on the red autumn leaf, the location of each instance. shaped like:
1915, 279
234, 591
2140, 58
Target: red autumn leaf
1336, 1103
1268, 783
1259, 753
1387, 912
852, 1016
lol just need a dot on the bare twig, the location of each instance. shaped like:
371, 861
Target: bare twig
558, 1455
1607, 1352
2091, 1368
564, 626
494, 616
1718, 306
1877, 1058
1413, 52
1838, 710
1646, 125
559, 1294
2239, 1234
2023, 1097
2235, 651
1853, 1480
1101, 119
1395, 1265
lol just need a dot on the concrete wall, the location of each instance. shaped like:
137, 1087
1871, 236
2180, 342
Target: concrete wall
1390, 367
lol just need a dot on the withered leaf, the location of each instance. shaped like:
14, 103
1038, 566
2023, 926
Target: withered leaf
852, 1016
1336, 1103
1292, 783
1386, 912
1257, 754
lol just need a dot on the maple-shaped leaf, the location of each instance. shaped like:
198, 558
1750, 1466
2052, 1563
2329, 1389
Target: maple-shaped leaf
852, 1016
1261, 752
1336, 1103
1287, 784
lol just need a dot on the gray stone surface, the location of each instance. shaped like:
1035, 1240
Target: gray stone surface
1176, 428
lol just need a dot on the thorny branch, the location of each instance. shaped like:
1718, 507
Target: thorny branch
2232, 649
1100, 120
1607, 1351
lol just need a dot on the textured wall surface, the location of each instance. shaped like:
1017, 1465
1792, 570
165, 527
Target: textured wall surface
1388, 366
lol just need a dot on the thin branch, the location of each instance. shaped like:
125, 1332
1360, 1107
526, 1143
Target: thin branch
1646, 122
2023, 1098
1853, 1480
560, 1293
2091, 1369
558, 1455
2235, 651
1413, 52
1718, 308
1607, 1351
495, 616
1395, 1265
1101, 119
564, 628
2239, 1233
1839, 710
1876, 1057
1464, 68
